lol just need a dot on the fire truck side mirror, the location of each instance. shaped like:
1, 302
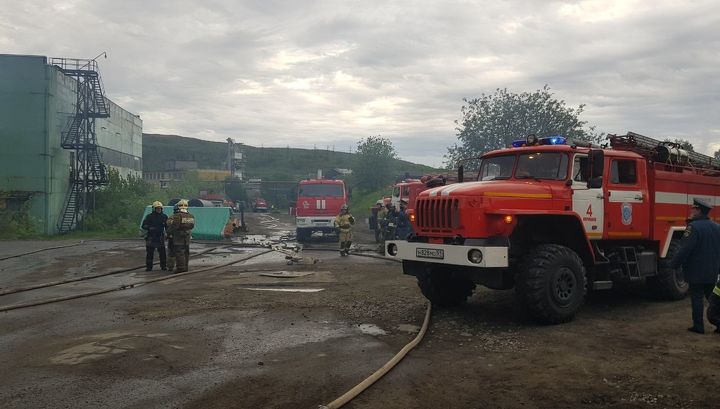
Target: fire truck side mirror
461, 173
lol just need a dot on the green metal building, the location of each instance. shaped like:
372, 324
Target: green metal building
37, 102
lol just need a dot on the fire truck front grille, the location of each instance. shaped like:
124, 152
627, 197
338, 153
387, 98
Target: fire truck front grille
437, 213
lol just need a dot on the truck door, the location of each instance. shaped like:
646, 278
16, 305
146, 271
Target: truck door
587, 202
627, 201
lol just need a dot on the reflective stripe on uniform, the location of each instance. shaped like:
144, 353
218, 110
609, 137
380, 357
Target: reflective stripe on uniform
716, 291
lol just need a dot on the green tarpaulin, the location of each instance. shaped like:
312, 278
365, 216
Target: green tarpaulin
209, 221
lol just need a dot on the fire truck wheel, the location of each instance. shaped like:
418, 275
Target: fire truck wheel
669, 284
551, 283
444, 290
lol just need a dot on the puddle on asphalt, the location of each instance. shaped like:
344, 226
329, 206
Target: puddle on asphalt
371, 329
290, 274
105, 345
286, 290
408, 328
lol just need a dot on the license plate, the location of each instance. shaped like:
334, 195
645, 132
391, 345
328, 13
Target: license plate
430, 253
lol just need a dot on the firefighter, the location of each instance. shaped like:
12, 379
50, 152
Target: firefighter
180, 226
389, 223
700, 259
404, 228
374, 220
171, 246
154, 224
344, 222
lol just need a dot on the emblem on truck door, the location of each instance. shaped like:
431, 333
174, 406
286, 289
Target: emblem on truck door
626, 211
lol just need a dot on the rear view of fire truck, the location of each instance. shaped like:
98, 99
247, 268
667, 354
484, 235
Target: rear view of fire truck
554, 220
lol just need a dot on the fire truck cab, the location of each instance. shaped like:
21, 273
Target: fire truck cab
318, 202
553, 219
407, 190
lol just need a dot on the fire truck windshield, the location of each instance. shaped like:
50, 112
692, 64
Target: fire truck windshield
542, 165
321, 190
497, 167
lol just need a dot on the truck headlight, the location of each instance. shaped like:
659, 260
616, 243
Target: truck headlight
475, 256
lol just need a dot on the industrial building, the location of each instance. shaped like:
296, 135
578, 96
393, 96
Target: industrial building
61, 134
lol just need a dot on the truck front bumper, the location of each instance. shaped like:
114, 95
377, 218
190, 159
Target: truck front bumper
467, 256
309, 222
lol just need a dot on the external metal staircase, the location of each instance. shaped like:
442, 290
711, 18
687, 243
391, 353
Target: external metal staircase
88, 172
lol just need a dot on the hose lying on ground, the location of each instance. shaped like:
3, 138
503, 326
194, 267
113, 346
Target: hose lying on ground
43, 249
359, 388
122, 287
72, 280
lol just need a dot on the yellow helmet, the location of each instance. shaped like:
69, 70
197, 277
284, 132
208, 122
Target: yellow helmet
157, 203
183, 204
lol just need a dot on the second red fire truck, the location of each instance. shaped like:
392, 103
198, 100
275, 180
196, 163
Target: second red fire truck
553, 219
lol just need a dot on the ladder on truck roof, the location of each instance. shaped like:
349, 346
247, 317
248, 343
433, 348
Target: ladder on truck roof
662, 151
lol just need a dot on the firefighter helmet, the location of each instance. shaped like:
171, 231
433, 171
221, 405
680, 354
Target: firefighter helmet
157, 203
183, 204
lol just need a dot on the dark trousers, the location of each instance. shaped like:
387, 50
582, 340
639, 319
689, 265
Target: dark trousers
150, 253
698, 294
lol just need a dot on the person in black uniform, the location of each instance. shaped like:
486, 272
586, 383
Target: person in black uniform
699, 257
154, 225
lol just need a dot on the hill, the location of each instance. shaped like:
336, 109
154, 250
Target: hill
280, 164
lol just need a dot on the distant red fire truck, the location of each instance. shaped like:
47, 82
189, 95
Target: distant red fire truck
318, 202
553, 219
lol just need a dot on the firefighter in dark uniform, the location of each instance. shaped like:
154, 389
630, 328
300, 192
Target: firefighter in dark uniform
699, 257
171, 246
154, 226
404, 228
180, 227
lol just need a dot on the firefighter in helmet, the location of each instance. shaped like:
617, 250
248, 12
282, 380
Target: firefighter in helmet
171, 246
344, 222
154, 226
180, 227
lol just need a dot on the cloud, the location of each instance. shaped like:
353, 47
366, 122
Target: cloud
320, 72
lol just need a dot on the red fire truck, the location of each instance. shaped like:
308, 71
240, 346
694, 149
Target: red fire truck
318, 202
553, 219
407, 190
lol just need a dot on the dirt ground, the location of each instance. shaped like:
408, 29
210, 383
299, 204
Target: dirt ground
236, 338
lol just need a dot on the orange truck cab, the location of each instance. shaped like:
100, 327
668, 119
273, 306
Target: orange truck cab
318, 202
552, 219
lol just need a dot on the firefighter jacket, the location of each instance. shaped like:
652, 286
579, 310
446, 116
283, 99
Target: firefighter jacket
344, 222
699, 255
154, 225
179, 227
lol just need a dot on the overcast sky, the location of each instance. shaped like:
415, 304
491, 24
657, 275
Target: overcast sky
327, 73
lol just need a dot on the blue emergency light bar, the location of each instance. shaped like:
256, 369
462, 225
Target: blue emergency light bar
550, 140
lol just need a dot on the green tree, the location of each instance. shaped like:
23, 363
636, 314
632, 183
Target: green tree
493, 121
373, 162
